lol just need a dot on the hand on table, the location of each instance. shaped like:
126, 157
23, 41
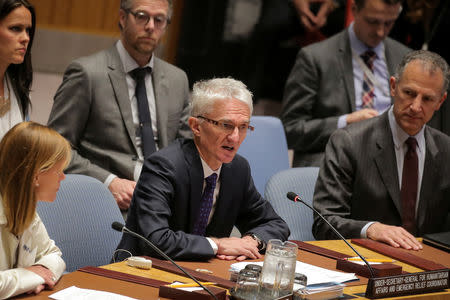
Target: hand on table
393, 235
237, 248
46, 274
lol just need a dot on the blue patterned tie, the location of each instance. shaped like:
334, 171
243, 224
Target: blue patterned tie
206, 205
145, 121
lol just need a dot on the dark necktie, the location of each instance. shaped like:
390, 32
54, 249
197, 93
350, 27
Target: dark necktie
206, 205
368, 87
145, 122
408, 193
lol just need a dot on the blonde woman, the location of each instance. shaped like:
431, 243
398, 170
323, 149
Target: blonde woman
32, 160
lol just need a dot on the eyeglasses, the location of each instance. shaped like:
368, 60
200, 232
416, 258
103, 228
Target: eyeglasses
228, 127
142, 19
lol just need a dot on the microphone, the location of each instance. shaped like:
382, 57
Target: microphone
296, 198
120, 227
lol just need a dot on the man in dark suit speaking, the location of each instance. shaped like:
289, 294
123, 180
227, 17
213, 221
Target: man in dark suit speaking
388, 178
191, 194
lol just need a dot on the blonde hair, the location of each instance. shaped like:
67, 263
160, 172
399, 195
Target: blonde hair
27, 149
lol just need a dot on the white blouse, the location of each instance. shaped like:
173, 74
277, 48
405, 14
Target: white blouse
14, 115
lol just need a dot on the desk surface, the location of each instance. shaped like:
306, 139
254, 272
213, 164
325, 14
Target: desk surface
220, 268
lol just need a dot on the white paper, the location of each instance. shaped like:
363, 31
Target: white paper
74, 293
314, 274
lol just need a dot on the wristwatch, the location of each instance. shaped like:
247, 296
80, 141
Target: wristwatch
261, 243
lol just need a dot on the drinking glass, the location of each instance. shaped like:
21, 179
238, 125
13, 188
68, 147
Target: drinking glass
277, 275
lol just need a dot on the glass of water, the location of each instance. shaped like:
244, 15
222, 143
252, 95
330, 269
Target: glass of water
277, 275
247, 285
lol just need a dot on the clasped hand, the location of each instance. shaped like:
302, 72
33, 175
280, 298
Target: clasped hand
237, 248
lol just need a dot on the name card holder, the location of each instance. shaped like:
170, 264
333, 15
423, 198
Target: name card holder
408, 284
380, 270
180, 294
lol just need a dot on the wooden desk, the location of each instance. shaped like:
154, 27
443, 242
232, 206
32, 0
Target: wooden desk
220, 268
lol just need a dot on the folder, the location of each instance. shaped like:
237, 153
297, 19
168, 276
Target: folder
439, 240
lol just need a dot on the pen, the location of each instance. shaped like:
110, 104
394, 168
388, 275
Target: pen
183, 285
380, 260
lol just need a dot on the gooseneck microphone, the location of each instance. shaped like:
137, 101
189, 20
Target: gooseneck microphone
296, 198
120, 227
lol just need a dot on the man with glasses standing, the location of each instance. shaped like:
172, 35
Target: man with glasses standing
119, 105
192, 193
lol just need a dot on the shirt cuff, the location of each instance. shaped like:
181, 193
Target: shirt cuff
213, 245
342, 121
364, 230
109, 179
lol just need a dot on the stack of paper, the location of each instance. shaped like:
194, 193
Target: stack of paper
75, 293
330, 290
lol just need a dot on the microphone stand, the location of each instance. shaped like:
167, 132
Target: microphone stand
120, 227
296, 198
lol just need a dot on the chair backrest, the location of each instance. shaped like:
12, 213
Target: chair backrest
298, 217
265, 149
79, 221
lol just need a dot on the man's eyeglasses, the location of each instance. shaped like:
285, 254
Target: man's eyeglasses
228, 127
142, 19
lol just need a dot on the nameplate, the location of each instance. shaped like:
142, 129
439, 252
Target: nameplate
408, 284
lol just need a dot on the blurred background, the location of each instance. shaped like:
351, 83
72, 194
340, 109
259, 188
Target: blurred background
255, 41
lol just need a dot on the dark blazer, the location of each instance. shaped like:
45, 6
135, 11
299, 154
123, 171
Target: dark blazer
319, 90
358, 181
92, 110
167, 198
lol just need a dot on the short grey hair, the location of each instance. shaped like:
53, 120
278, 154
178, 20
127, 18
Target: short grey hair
431, 62
206, 92
128, 4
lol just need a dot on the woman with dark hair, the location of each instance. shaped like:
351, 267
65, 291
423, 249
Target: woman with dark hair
17, 26
32, 160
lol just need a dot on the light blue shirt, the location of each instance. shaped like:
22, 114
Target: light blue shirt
382, 99
399, 137
129, 64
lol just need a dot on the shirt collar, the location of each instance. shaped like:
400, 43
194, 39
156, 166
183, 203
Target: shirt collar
400, 136
129, 64
207, 171
359, 47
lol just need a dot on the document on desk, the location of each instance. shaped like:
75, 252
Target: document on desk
315, 275
74, 293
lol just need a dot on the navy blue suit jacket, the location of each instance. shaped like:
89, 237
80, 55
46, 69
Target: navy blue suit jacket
167, 199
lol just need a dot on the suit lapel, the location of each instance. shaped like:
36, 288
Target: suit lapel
430, 178
385, 160
389, 59
346, 66
389, 56
119, 85
161, 88
195, 171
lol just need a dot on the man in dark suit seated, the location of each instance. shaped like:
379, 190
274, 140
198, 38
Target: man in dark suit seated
388, 178
341, 80
191, 194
